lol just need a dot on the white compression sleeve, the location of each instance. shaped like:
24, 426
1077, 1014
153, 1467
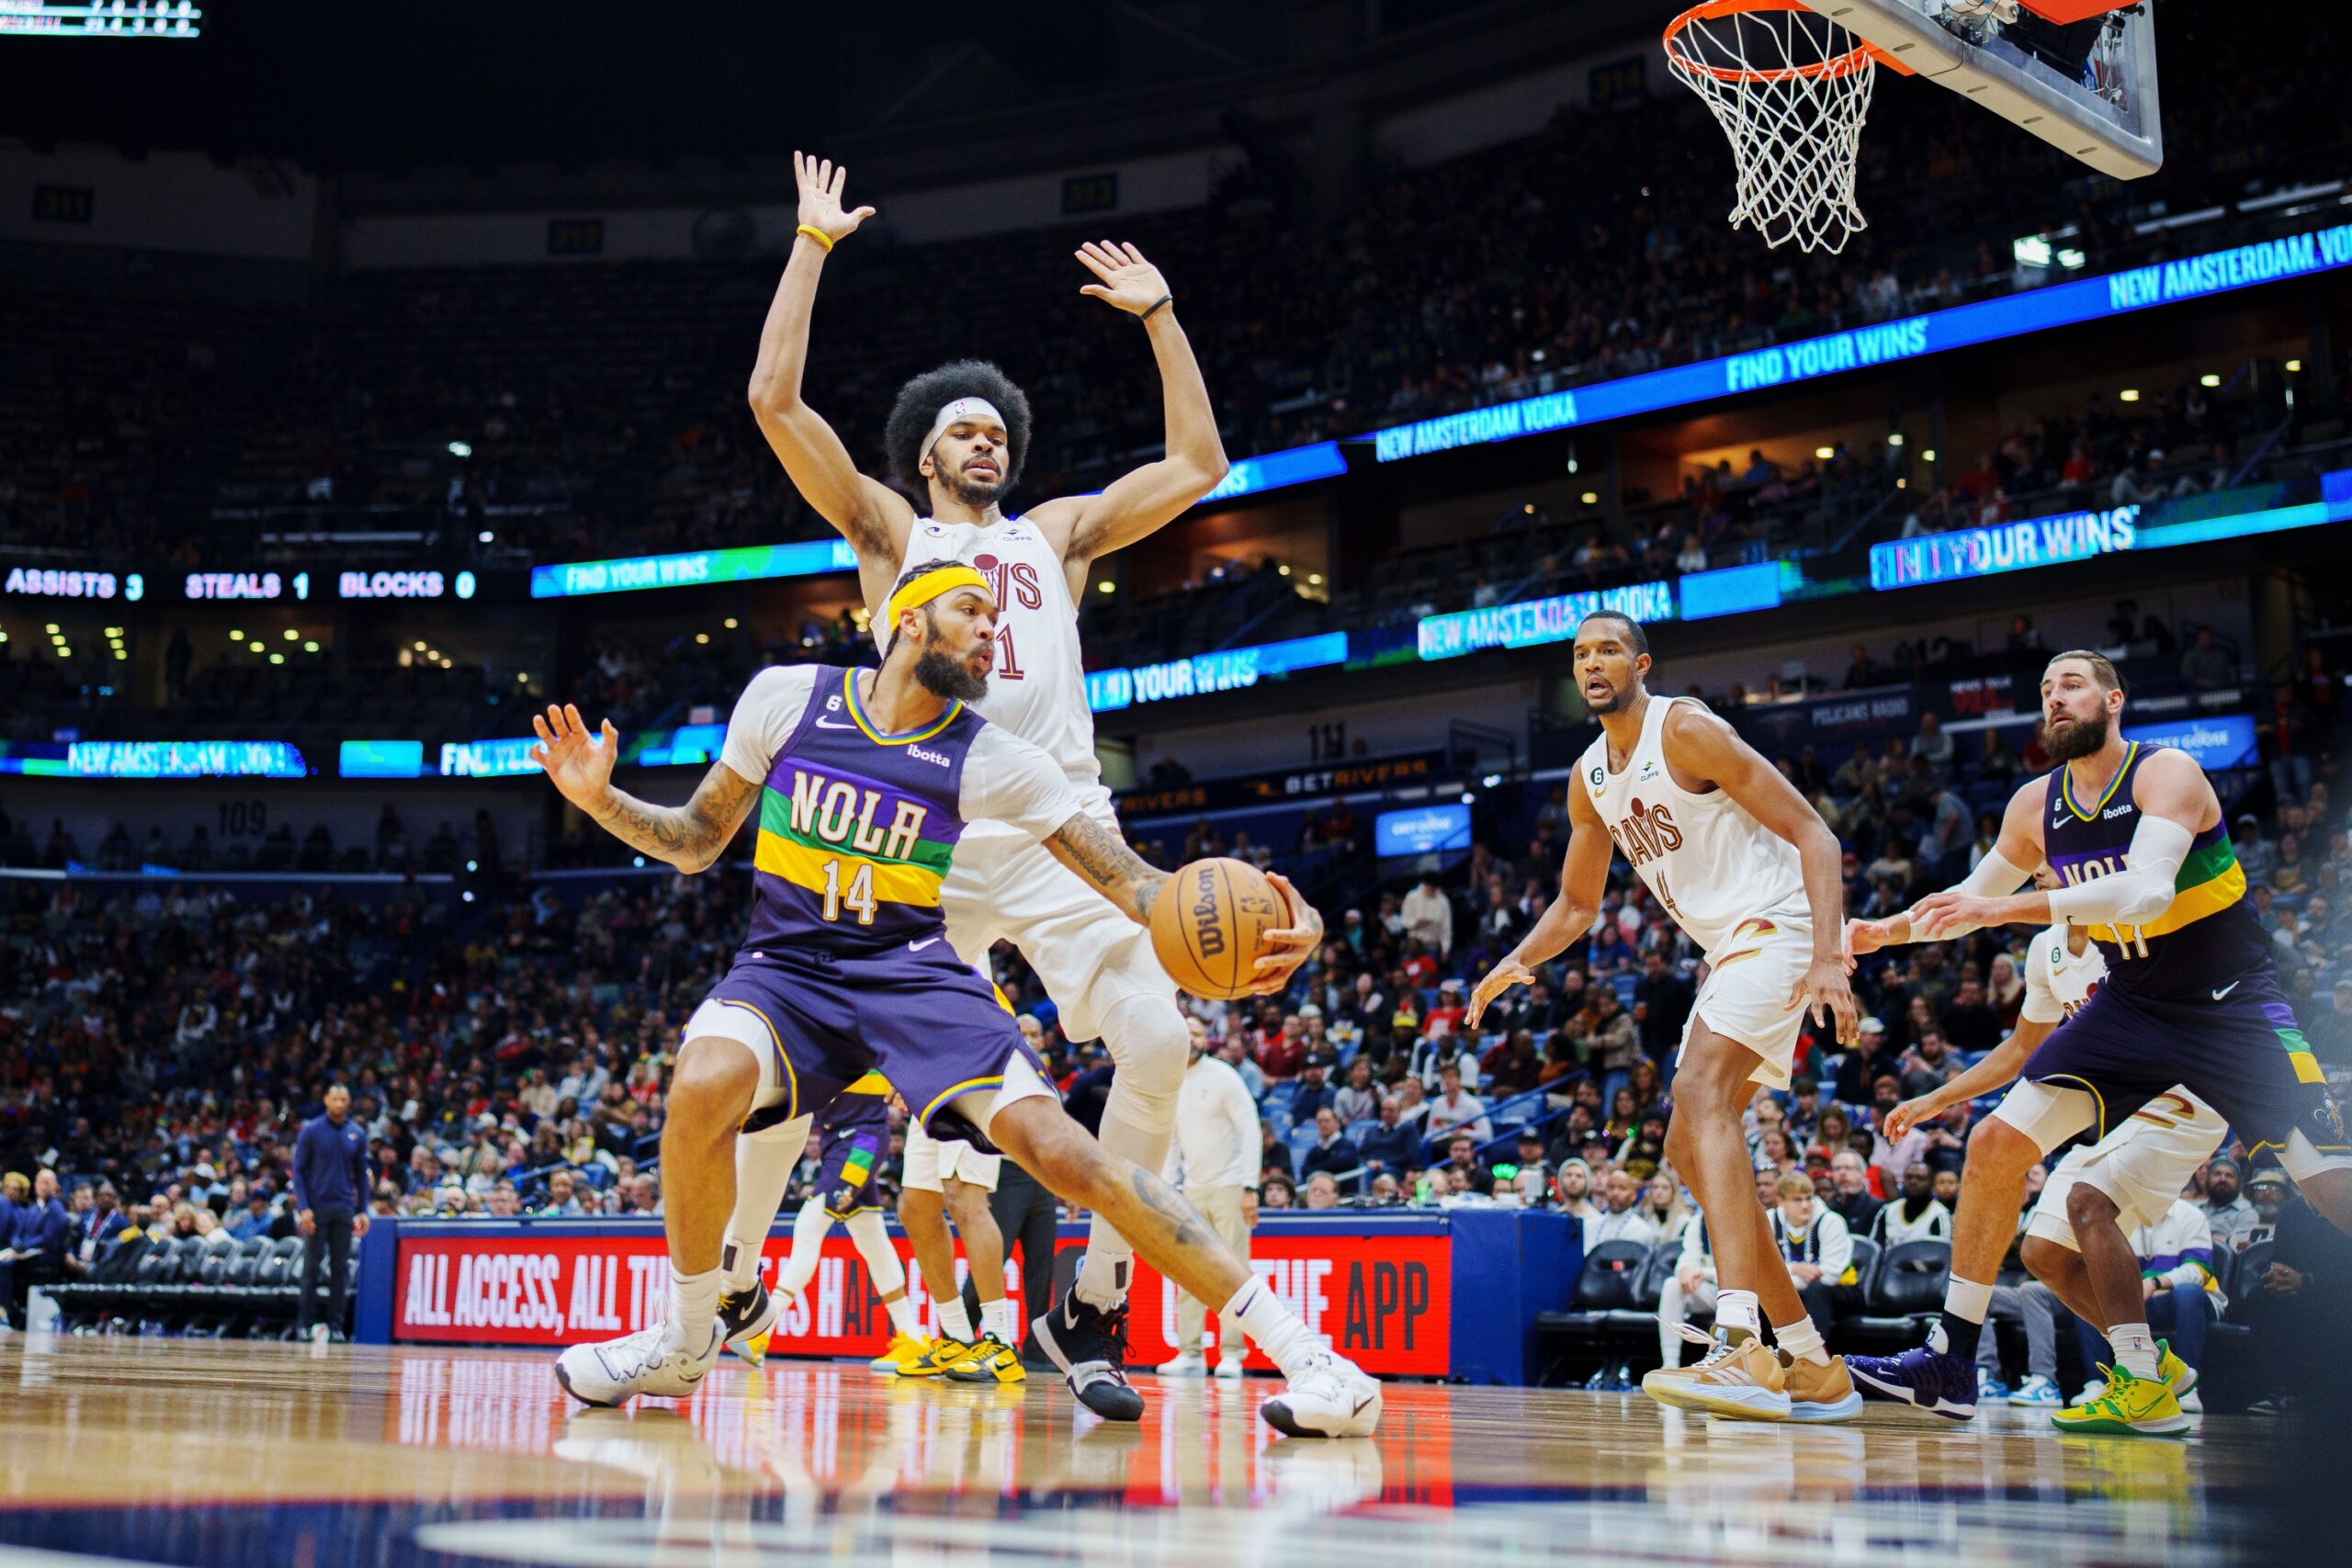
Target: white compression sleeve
873, 1242
809, 1228
763, 1166
1994, 877
2138, 892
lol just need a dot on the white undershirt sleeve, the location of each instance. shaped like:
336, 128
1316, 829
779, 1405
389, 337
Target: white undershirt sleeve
764, 718
1008, 779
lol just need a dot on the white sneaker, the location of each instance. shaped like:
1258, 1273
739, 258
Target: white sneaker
653, 1361
1331, 1397
1187, 1364
319, 1333
2093, 1391
1228, 1367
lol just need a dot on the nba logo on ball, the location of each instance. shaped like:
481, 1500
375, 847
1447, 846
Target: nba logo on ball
1209, 923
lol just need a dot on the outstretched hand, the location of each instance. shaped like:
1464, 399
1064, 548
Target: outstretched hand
1128, 281
820, 196
580, 766
1494, 983
1822, 991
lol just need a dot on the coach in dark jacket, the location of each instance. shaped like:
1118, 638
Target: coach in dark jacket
33, 1252
330, 1173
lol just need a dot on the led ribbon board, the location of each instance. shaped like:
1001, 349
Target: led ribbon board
1533, 621
695, 569
1226, 671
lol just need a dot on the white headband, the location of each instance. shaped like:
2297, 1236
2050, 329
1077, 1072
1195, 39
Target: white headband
957, 412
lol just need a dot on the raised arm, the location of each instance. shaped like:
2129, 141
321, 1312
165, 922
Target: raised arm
1584, 881
690, 837
2015, 852
1699, 743
1135, 505
873, 517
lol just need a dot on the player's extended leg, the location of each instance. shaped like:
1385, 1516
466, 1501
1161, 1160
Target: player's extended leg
995, 1355
711, 1091
1086, 1336
1713, 1085
1942, 1374
1327, 1396
2137, 1398
923, 1214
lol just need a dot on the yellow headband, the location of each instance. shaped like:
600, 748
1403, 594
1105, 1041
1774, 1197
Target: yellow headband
931, 585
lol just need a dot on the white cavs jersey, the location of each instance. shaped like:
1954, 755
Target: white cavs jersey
1038, 691
1711, 865
2143, 1161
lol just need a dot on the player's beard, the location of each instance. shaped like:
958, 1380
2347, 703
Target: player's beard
2079, 739
977, 494
1619, 698
950, 678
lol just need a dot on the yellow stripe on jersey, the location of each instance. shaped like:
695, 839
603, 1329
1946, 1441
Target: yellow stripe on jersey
805, 867
872, 1083
2188, 906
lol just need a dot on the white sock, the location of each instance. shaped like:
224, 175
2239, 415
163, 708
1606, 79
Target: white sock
1967, 1299
694, 1301
954, 1320
1276, 1329
996, 1317
1737, 1309
2135, 1349
902, 1317
763, 1166
1801, 1340
809, 1227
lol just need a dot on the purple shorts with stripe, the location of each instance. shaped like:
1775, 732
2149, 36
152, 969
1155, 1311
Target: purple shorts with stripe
924, 1020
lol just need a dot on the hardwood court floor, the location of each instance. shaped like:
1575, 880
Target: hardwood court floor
201, 1452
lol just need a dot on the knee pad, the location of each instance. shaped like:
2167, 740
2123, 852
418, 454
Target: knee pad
1152, 1047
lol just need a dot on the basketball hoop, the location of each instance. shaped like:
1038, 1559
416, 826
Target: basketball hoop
1789, 88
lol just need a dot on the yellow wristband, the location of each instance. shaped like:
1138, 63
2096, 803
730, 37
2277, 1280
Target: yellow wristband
824, 240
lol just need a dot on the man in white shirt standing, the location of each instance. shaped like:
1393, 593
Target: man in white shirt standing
1213, 1160
1428, 915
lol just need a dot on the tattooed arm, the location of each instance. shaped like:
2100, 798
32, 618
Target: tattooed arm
690, 837
1108, 865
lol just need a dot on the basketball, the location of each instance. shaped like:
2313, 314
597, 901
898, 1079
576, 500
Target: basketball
1208, 922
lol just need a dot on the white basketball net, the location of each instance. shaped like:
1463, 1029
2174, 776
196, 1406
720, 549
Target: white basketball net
1789, 89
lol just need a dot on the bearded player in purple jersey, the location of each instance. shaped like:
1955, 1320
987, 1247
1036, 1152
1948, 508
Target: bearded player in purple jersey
864, 781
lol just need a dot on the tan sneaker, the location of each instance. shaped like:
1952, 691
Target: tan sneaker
1821, 1391
1668, 1384
1750, 1383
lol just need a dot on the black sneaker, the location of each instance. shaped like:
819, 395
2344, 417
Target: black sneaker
1090, 1345
744, 1321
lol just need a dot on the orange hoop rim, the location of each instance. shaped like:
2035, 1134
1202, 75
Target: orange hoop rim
1861, 57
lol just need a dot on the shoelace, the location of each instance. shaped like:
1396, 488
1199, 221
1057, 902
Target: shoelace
1719, 1349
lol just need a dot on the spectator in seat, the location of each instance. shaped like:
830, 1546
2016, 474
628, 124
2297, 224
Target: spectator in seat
1444, 1021
2184, 1297
1393, 1147
2033, 1307
1947, 1143
564, 1196
1818, 1250
2296, 1308
1462, 1160
1332, 1152
1322, 1191
1456, 1107
1314, 1091
1358, 1100
1689, 1292
2227, 1213
1277, 1191
1891, 1160
1860, 1068
1932, 744
1619, 1216
1665, 1207
1968, 1023
1512, 1067
1916, 1216
1571, 1191
2207, 665
1428, 915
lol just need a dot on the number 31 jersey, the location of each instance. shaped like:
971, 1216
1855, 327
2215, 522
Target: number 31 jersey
1038, 691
